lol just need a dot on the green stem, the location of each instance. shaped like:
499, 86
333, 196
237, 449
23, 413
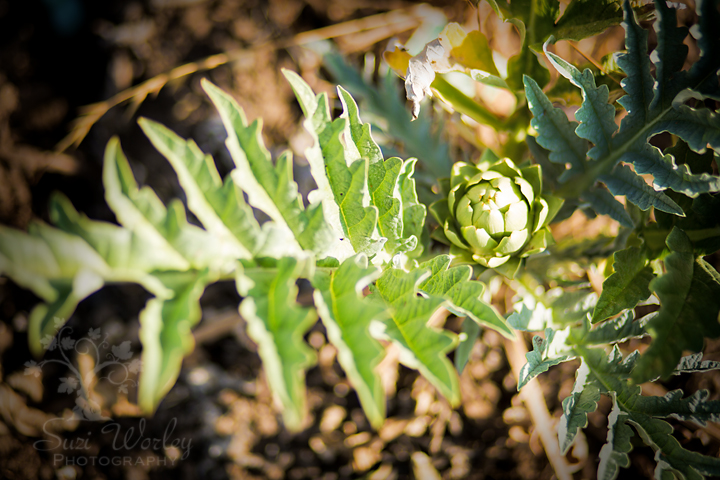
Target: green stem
466, 105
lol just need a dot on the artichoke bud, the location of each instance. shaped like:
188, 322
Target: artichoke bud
495, 214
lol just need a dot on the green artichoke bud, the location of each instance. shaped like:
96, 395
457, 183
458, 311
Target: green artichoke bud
495, 214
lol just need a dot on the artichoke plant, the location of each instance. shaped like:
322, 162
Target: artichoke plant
495, 214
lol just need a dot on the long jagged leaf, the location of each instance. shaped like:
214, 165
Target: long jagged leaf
689, 294
421, 347
60, 268
695, 408
582, 400
555, 132
277, 324
349, 185
138, 210
604, 203
347, 316
596, 116
342, 178
270, 188
610, 373
668, 57
383, 176
414, 212
666, 174
546, 352
122, 249
694, 363
614, 454
225, 215
617, 330
639, 82
420, 138
463, 294
627, 286
166, 336
623, 181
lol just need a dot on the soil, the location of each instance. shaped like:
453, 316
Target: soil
219, 421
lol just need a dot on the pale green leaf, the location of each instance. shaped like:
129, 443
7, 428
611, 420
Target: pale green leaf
464, 295
321, 128
277, 324
414, 212
421, 347
206, 196
166, 334
347, 316
350, 189
614, 454
627, 286
270, 188
138, 210
582, 400
383, 177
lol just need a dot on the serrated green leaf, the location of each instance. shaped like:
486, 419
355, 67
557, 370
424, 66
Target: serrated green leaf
121, 248
582, 400
420, 138
669, 56
669, 454
555, 132
698, 127
689, 294
470, 333
694, 363
635, 63
277, 324
269, 188
603, 203
666, 174
342, 186
623, 181
455, 285
614, 454
695, 408
350, 189
617, 330
414, 212
625, 288
545, 354
206, 197
347, 316
383, 176
166, 336
138, 210
421, 347
596, 116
